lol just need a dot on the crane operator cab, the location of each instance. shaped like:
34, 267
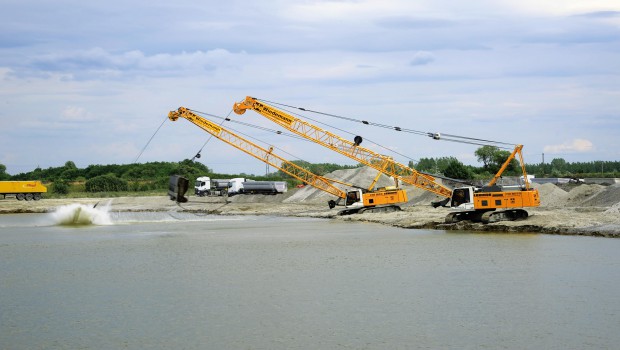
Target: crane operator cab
462, 198
354, 199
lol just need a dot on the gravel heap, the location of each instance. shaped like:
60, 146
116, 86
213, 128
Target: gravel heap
585, 196
552, 196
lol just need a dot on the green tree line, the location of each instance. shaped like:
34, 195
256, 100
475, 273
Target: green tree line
492, 158
153, 176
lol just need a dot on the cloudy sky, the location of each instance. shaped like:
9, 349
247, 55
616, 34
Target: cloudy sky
91, 81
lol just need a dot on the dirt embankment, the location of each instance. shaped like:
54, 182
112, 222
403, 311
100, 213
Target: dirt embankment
592, 210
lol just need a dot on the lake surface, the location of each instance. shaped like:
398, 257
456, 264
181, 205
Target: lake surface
184, 281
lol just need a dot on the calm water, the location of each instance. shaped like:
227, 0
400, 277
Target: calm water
181, 281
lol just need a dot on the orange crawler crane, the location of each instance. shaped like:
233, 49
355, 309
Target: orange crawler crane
357, 200
486, 204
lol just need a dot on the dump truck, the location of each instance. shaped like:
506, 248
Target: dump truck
22, 190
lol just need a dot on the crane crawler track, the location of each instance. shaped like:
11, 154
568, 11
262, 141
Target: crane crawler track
486, 217
378, 209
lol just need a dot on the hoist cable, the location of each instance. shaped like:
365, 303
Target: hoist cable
248, 136
249, 125
209, 138
149, 141
347, 132
397, 128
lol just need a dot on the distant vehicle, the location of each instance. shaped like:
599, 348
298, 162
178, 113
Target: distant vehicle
249, 186
22, 190
205, 186
264, 187
236, 186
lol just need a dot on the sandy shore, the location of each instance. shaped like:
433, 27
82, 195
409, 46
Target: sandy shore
589, 221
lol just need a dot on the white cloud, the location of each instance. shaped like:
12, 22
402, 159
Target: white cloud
4, 72
559, 7
99, 63
513, 70
74, 113
574, 146
352, 10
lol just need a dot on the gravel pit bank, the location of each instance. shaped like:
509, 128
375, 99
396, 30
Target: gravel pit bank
589, 210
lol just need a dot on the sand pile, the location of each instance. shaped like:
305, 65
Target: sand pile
551, 195
614, 210
582, 193
592, 195
608, 196
418, 196
309, 194
360, 177
257, 198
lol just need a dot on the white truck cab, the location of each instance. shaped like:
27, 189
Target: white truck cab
236, 186
202, 186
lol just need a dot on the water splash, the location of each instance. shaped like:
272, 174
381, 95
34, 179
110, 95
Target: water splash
81, 214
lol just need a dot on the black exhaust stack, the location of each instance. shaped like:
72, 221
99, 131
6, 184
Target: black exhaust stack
177, 187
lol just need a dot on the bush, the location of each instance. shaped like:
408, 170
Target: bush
60, 187
106, 183
457, 170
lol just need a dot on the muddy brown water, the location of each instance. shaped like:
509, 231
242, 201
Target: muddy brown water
179, 280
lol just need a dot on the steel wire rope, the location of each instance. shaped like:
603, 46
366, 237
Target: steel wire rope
397, 128
347, 132
254, 138
209, 138
250, 125
149, 141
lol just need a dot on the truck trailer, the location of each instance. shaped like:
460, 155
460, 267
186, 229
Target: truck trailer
241, 185
22, 190
205, 186
264, 187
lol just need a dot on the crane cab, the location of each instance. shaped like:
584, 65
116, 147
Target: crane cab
462, 198
354, 199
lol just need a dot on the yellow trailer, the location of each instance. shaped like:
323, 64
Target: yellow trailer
28, 190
